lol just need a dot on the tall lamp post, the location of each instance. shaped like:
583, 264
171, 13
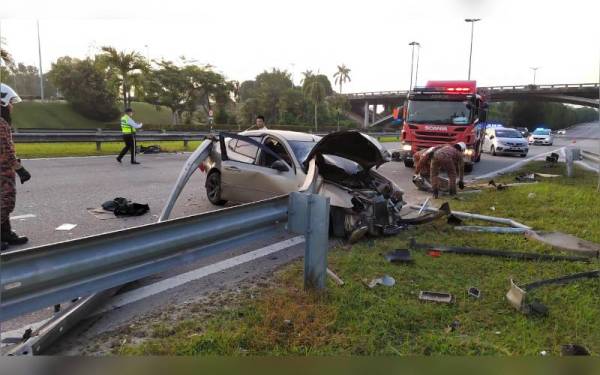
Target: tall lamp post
417, 68
412, 60
535, 68
40, 57
472, 21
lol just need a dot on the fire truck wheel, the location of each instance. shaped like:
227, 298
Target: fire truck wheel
409, 163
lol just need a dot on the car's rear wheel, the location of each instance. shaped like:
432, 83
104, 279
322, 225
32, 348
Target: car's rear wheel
213, 188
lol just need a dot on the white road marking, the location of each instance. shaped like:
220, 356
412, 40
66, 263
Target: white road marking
21, 217
516, 165
184, 278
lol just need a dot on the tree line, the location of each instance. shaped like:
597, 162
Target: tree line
99, 87
532, 114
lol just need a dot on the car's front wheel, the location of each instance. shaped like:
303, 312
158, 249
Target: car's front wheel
213, 188
493, 150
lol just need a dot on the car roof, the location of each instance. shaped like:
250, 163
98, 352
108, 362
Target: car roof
285, 134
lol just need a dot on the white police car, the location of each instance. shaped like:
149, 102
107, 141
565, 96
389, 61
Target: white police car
500, 140
541, 136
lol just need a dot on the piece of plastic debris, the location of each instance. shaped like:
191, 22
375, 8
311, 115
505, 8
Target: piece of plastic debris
335, 277
399, 256
474, 292
434, 253
543, 353
386, 280
573, 349
66, 227
493, 208
531, 195
439, 297
497, 332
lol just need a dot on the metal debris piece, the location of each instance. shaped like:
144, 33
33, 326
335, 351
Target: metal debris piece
335, 277
546, 175
475, 228
573, 349
565, 241
494, 253
424, 205
474, 292
357, 234
530, 177
386, 280
467, 215
439, 297
399, 256
517, 295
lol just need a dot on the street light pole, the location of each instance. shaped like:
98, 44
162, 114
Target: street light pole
534, 73
412, 60
472, 21
40, 57
417, 69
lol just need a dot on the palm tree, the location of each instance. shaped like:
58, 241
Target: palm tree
124, 65
306, 74
314, 90
342, 75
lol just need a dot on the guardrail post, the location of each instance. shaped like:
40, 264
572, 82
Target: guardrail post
571, 154
98, 145
185, 143
308, 214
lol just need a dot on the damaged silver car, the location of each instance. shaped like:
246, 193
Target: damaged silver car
260, 164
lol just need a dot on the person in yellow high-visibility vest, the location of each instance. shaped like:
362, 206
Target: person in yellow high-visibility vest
128, 127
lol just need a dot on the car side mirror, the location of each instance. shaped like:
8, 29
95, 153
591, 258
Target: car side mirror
280, 166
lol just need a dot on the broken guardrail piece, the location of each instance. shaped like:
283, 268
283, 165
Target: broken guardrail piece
439, 297
565, 242
517, 295
466, 215
495, 253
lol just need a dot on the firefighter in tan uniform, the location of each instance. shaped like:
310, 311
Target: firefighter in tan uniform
9, 166
431, 161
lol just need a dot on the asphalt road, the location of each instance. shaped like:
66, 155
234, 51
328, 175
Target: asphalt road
61, 190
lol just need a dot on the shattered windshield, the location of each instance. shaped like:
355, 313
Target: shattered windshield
301, 149
438, 112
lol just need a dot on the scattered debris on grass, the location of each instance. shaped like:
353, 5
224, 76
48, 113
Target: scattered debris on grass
565, 242
399, 256
474, 292
439, 297
385, 280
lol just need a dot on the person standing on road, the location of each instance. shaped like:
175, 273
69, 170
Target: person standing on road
449, 159
128, 127
9, 165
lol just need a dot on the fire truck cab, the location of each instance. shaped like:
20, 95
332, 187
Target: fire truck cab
443, 112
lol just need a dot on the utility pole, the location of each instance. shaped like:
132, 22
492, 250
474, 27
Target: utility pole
412, 60
535, 68
472, 21
40, 56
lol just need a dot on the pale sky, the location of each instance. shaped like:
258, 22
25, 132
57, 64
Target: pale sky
243, 38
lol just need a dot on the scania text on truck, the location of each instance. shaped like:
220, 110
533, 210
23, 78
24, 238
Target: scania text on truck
443, 112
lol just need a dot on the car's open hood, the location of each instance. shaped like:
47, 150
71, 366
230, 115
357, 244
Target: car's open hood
352, 145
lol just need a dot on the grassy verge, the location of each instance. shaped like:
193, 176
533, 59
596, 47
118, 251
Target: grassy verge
355, 320
388, 139
52, 150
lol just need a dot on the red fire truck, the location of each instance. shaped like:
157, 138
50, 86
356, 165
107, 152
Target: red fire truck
443, 112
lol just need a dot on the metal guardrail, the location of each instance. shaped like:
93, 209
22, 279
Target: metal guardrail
38, 277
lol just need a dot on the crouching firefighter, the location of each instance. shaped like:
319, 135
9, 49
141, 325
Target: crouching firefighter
422, 160
9, 166
448, 159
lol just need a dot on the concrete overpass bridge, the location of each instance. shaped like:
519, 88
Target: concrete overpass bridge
365, 106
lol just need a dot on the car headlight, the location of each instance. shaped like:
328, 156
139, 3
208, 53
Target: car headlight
406, 147
469, 152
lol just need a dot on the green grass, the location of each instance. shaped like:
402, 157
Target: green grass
389, 139
53, 150
60, 115
355, 320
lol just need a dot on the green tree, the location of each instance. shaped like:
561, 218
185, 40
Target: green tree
342, 75
315, 91
186, 88
339, 104
83, 85
123, 66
